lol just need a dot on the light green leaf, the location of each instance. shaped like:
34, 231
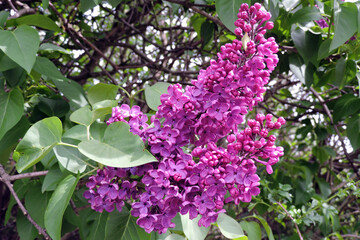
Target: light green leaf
77, 132
98, 227
53, 47
297, 66
11, 110
115, 151
102, 91
58, 202
252, 229
6, 63
71, 90
3, 17
45, 4
103, 108
266, 226
306, 14
227, 11
175, 237
37, 142
70, 158
21, 45
39, 20
229, 227
191, 228
153, 93
122, 226
346, 17
83, 116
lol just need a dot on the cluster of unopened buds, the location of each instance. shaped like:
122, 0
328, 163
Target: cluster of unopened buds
196, 118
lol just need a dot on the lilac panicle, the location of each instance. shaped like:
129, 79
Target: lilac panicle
212, 108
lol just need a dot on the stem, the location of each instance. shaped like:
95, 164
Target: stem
87, 173
126, 92
88, 132
26, 175
297, 228
67, 144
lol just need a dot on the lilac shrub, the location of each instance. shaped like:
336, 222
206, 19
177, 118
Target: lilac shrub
201, 181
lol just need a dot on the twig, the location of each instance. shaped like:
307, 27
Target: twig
297, 228
25, 175
5, 178
317, 95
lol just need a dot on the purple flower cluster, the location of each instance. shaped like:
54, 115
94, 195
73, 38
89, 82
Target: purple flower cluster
202, 181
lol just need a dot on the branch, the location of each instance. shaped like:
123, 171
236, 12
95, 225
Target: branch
5, 178
321, 100
297, 228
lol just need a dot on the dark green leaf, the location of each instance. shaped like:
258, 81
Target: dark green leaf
320, 153
98, 226
306, 14
122, 226
310, 70
57, 205
345, 106
227, 11
153, 93
345, 71
38, 141
324, 49
353, 131
11, 110
229, 227
324, 188
6, 63
207, 32
127, 151
20, 45
10, 139
24, 228
102, 91
266, 225
39, 20
252, 229
45, 4
114, 3
15, 76
20, 188
72, 90
191, 228
53, 107
346, 17
35, 201
88, 4
307, 44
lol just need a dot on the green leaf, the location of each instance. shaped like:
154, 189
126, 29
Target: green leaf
125, 151
70, 158
252, 229
103, 108
229, 227
20, 188
353, 132
324, 188
266, 226
324, 49
83, 116
153, 93
24, 228
345, 71
306, 14
52, 178
227, 11
35, 201
39, 20
11, 110
76, 132
52, 47
114, 3
53, 107
45, 4
298, 67
191, 228
10, 139
71, 90
122, 226
6, 63
346, 105
175, 237
310, 70
38, 141
57, 206
307, 45
346, 17
15, 76
98, 227
102, 91
207, 32
88, 4
3, 17
20, 45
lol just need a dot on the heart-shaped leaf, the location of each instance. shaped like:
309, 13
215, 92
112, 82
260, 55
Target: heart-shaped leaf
119, 148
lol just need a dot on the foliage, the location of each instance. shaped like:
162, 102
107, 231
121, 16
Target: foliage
65, 64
